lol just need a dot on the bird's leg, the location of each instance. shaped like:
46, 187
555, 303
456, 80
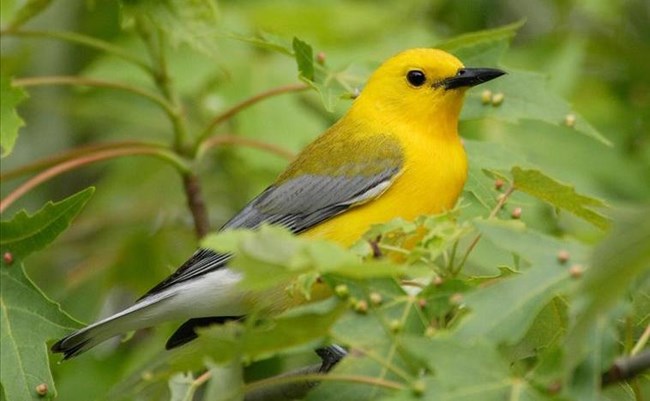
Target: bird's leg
330, 356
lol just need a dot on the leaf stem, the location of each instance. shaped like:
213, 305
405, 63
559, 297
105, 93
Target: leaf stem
226, 115
196, 204
643, 340
227, 139
73, 80
89, 159
80, 39
71, 154
502, 201
279, 380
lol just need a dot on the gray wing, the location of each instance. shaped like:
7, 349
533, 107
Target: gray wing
298, 203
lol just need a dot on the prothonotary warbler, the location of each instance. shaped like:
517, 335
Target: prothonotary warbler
395, 153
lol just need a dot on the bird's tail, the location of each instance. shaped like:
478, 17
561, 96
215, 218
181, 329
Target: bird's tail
142, 314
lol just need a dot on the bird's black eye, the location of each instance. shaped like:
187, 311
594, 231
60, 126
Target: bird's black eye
416, 77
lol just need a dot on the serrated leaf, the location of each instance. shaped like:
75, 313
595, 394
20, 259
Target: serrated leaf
488, 156
191, 22
482, 48
304, 56
618, 263
25, 234
27, 320
504, 311
29, 9
527, 96
559, 195
258, 339
464, 371
10, 121
272, 256
265, 40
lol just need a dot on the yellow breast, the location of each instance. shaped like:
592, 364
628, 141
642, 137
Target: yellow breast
434, 172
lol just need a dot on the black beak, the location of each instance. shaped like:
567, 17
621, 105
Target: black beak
471, 77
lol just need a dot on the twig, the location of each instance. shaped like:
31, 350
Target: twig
71, 154
626, 368
643, 340
502, 201
73, 80
196, 204
282, 390
225, 139
80, 39
282, 387
248, 102
81, 161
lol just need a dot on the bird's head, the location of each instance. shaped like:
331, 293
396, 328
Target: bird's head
421, 85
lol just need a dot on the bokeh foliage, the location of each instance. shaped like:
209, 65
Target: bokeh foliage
500, 313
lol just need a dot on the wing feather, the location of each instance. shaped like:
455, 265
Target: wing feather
301, 199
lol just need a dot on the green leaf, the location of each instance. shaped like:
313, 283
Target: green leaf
27, 11
488, 156
226, 382
304, 58
526, 97
482, 48
464, 371
10, 121
181, 388
273, 256
27, 320
25, 234
265, 40
257, 339
505, 310
562, 196
191, 22
619, 264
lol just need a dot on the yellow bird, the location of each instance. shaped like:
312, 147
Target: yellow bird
395, 153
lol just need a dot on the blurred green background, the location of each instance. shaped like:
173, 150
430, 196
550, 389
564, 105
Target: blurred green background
137, 229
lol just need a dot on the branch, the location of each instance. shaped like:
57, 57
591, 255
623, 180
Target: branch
297, 383
89, 159
81, 40
226, 115
502, 201
225, 139
71, 154
284, 390
196, 204
73, 80
626, 368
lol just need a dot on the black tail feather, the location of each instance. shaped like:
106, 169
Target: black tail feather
186, 332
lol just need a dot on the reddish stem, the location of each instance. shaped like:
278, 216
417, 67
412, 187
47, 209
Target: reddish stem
71, 165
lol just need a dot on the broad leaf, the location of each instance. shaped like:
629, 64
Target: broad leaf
484, 157
562, 196
464, 371
504, 311
526, 96
28, 318
10, 121
25, 234
252, 340
181, 388
619, 264
482, 48
25, 12
190, 22
304, 58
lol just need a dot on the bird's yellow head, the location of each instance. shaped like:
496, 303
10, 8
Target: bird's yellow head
421, 85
